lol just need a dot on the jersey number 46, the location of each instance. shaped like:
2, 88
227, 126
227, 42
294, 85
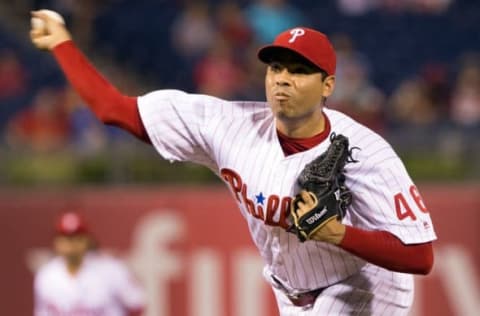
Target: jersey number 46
403, 209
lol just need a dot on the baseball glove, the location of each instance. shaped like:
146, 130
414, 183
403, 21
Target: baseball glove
324, 180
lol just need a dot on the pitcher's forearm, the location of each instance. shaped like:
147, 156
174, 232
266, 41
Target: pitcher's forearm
105, 101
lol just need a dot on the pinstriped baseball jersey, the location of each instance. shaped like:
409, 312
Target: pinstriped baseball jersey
103, 287
239, 142
372, 291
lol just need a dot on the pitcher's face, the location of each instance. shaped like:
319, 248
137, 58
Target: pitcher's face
295, 88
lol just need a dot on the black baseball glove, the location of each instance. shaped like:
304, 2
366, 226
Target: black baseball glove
324, 180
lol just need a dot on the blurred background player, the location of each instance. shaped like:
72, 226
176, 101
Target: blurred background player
80, 281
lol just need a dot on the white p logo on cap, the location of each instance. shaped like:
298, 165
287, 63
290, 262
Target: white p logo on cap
296, 33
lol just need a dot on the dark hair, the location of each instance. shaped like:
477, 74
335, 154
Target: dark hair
323, 73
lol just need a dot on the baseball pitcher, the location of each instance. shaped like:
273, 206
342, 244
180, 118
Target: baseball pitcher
329, 204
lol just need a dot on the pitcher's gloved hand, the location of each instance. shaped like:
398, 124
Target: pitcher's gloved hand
324, 195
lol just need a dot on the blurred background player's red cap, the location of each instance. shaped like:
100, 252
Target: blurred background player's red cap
311, 44
71, 223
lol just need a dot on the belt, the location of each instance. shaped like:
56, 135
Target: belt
301, 299
305, 299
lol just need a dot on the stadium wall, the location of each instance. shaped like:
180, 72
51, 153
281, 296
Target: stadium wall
191, 248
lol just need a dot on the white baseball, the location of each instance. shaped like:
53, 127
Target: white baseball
38, 23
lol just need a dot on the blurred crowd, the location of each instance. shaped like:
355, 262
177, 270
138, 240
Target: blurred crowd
215, 44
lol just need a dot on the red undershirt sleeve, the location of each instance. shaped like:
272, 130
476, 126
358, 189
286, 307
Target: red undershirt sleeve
386, 250
137, 312
105, 101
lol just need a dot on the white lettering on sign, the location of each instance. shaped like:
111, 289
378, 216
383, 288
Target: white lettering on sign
156, 264
456, 268
204, 270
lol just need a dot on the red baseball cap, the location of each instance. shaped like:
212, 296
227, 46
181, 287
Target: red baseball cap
71, 223
311, 44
